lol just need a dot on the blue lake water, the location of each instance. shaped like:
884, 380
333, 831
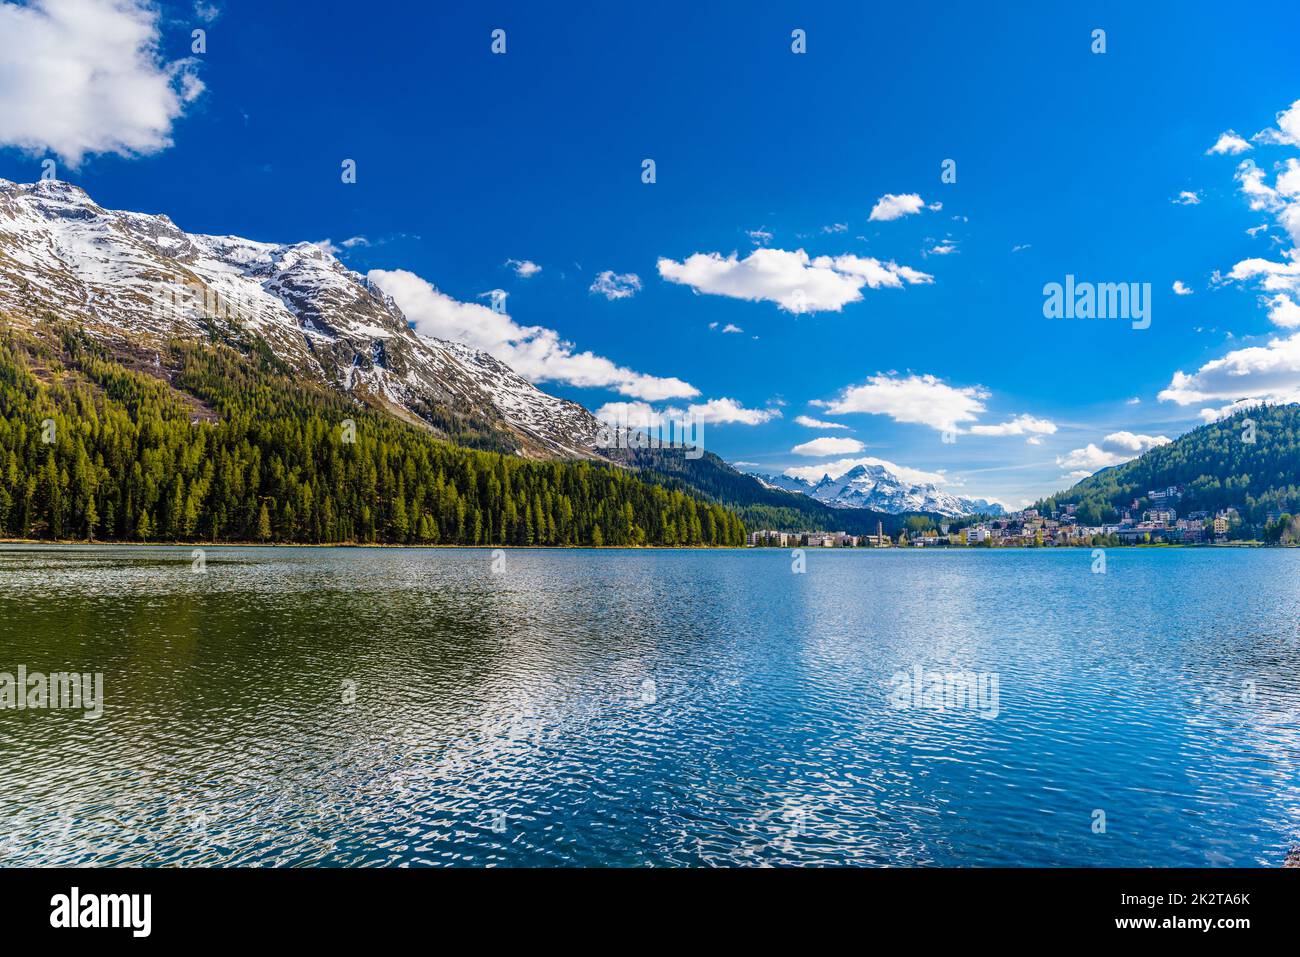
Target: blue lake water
657, 708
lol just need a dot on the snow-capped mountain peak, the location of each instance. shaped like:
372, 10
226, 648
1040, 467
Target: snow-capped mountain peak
875, 487
139, 278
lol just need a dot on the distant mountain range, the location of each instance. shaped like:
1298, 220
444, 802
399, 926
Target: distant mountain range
760, 505
877, 488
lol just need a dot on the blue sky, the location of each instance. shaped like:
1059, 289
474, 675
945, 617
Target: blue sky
1067, 162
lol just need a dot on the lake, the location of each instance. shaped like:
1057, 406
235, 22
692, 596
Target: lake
282, 706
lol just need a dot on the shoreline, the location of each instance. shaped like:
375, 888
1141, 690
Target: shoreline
646, 548
203, 544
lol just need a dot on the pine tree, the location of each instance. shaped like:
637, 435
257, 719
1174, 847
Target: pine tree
91, 519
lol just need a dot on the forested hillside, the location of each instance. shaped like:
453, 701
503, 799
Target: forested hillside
1226, 464
204, 442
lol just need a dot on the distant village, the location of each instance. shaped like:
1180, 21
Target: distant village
1160, 523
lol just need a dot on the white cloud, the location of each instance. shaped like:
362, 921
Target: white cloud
1284, 312
535, 352
1180, 289
1282, 280
1022, 247
713, 412
524, 268
919, 400
1260, 194
1215, 414
1275, 276
1020, 425
942, 249
1115, 449
1187, 198
759, 237
730, 412
1287, 132
496, 299
1282, 199
836, 228
635, 415
1133, 443
826, 445
876, 274
891, 206
329, 247
1228, 143
1288, 181
80, 77
837, 468
731, 328
207, 12
1269, 373
1134, 401
792, 280
614, 285
812, 423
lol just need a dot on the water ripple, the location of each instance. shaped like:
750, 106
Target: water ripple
651, 708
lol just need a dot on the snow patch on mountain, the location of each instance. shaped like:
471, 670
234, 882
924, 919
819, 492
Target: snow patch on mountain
875, 487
